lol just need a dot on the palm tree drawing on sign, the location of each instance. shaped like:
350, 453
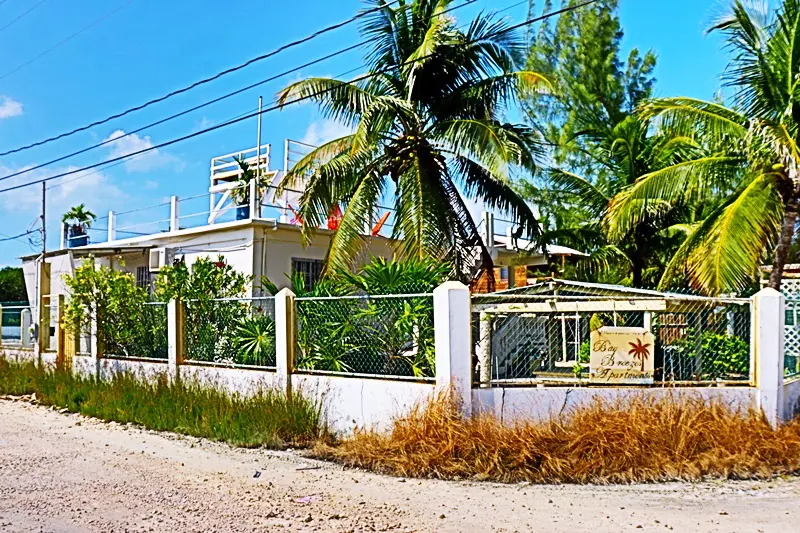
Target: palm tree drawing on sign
639, 351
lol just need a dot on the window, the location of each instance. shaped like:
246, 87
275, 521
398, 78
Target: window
143, 277
310, 268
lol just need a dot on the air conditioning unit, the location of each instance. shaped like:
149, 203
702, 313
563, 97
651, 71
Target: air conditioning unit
161, 257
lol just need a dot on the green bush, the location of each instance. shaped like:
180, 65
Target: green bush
126, 325
721, 356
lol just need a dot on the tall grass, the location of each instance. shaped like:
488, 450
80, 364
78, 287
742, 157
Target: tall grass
632, 440
267, 419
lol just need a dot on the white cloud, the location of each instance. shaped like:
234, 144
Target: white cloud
324, 131
204, 123
124, 144
9, 107
23, 205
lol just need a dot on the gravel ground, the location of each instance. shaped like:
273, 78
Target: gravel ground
66, 473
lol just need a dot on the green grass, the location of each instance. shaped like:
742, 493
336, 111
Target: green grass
268, 419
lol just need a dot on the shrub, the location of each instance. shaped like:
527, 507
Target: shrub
720, 355
126, 325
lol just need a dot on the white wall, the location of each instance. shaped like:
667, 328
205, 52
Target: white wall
141, 369
234, 380
541, 403
358, 402
18, 354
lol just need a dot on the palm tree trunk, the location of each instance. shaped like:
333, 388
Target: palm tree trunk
784, 242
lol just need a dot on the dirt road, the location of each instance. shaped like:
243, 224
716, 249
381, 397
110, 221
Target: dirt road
65, 473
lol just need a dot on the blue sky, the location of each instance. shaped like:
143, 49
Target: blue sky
149, 47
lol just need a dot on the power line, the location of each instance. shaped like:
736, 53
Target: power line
63, 41
202, 81
185, 112
15, 237
24, 13
210, 102
296, 100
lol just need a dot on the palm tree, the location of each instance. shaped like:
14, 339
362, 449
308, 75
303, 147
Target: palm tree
750, 158
79, 216
428, 126
638, 253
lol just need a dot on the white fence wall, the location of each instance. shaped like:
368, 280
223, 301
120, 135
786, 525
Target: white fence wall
355, 401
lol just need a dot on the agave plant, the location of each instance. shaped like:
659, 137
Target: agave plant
749, 156
427, 127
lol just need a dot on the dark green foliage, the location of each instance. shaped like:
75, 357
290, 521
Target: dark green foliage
12, 286
370, 335
712, 355
268, 419
127, 324
254, 341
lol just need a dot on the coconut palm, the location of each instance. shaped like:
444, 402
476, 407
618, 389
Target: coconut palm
428, 125
750, 158
638, 254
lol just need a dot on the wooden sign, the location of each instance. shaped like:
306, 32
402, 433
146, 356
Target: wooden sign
621, 355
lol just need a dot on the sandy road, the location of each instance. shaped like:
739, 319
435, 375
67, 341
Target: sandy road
65, 473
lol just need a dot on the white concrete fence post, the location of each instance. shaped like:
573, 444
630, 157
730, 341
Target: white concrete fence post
112, 226
284, 339
453, 341
25, 323
94, 346
484, 349
175, 339
769, 320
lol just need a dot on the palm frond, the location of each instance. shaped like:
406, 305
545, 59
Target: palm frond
342, 101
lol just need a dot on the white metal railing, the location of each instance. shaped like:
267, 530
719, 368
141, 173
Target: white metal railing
226, 166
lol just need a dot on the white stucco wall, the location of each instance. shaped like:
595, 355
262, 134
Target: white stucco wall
791, 398
541, 403
18, 354
362, 402
234, 380
141, 369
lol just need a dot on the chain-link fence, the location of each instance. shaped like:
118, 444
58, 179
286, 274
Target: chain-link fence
231, 331
389, 335
548, 337
791, 354
143, 336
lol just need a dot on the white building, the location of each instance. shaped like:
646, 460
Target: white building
257, 234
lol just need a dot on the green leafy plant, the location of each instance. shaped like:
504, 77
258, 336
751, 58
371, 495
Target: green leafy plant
126, 324
206, 290
79, 218
713, 355
254, 340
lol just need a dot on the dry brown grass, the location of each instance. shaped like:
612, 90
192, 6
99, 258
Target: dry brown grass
634, 440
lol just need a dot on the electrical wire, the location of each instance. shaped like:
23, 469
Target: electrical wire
15, 237
210, 102
63, 42
285, 104
24, 13
202, 81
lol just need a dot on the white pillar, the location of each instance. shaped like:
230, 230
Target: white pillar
64, 244
769, 322
485, 349
284, 339
175, 336
174, 213
94, 346
25, 323
453, 341
112, 226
